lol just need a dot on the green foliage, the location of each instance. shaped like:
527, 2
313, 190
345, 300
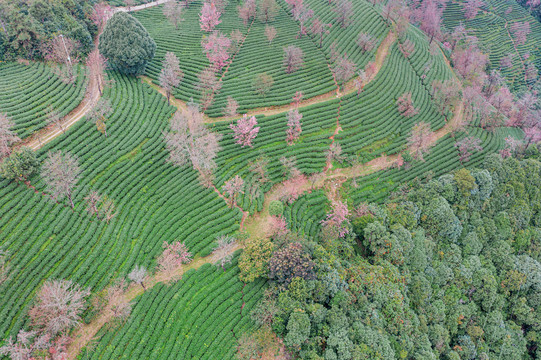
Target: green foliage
126, 44
19, 165
276, 208
254, 260
298, 329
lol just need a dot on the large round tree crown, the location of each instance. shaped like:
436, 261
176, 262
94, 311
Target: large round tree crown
126, 44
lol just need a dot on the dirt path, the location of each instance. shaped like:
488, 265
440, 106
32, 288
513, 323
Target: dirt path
139, 7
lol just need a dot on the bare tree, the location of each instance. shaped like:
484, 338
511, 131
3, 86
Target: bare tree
7, 136
344, 11
268, 9
420, 140
92, 201
232, 106
259, 169
366, 42
171, 75
343, 69
290, 167
233, 188
173, 256
107, 210
97, 63
129, 3
54, 118
335, 153
173, 12
292, 58
60, 173
138, 275
62, 50
4, 267
209, 85
270, 33
225, 246
58, 307
117, 302
100, 14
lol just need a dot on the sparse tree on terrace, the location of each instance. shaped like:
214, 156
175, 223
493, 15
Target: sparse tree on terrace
7, 136
231, 107
225, 246
54, 118
58, 307
520, 31
170, 75
245, 130
319, 29
259, 169
247, 11
60, 172
420, 140
62, 50
290, 167
297, 98
270, 33
236, 40
233, 188
335, 153
405, 105
98, 114
446, 94
467, 146
209, 85
360, 81
209, 17
118, 304
173, 256
268, 9
292, 58
216, 47
302, 14
344, 12
190, 141
263, 83
293, 126
138, 276
365, 42
173, 12
343, 69
471, 8
92, 200
100, 14
107, 210
470, 62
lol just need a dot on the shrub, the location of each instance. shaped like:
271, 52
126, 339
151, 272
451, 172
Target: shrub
276, 208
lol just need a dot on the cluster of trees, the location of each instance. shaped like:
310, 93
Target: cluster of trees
449, 268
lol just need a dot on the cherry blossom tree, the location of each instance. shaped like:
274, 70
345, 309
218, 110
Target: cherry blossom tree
268, 9
92, 200
507, 61
172, 11
471, 8
170, 75
420, 140
467, 146
60, 173
138, 276
405, 105
209, 17
429, 14
343, 69
470, 63
360, 81
58, 307
116, 301
338, 218
520, 31
259, 168
216, 47
190, 141
173, 256
247, 11
62, 50
335, 153
245, 130
208, 85
236, 40
290, 167
270, 33
293, 58
301, 13
231, 107
278, 227
7, 136
263, 83
292, 188
100, 15
344, 12
233, 188
365, 42
293, 126
297, 98
97, 63
445, 94
319, 29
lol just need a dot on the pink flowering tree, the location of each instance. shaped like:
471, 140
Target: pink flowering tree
428, 15
301, 13
233, 188
467, 146
209, 17
245, 130
247, 11
471, 8
343, 69
293, 126
270, 33
216, 46
338, 218
365, 42
405, 105
344, 11
419, 140
231, 107
319, 29
297, 98
292, 58
520, 30
173, 256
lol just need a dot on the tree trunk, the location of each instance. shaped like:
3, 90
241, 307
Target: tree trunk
71, 201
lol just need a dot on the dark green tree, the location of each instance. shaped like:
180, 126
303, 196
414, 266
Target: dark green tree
126, 44
19, 165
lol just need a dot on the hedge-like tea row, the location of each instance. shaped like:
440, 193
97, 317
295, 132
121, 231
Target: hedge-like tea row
257, 56
371, 124
442, 158
155, 201
196, 318
27, 91
305, 214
